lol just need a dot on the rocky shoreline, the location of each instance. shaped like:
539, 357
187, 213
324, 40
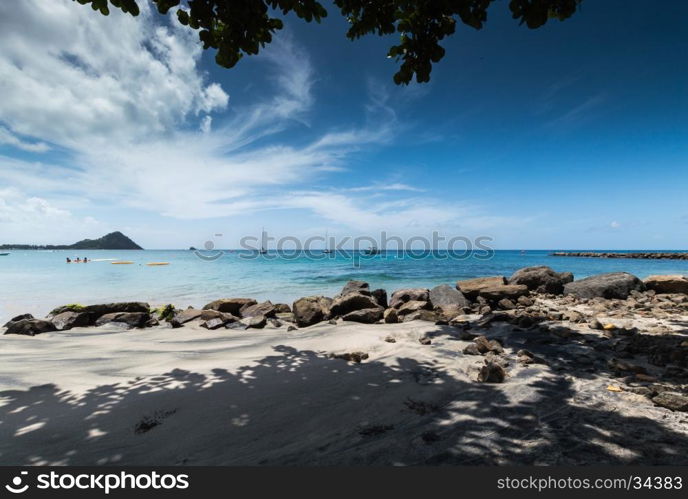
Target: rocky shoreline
536, 368
634, 329
641, 256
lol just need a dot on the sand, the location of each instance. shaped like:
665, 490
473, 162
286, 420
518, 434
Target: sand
191, 396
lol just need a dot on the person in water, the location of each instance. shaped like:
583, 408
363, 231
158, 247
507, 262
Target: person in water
78, 260
68, 260
85, 260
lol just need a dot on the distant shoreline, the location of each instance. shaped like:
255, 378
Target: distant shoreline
647, 255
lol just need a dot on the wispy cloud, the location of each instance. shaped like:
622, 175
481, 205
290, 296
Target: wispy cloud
140, 126
577, 114
10, 139
386, 187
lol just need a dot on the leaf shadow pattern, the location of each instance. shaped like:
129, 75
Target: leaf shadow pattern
298, 407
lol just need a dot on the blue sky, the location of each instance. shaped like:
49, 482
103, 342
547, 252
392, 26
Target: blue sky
571, 136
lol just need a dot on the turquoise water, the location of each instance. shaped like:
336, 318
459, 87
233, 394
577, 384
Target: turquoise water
36, 281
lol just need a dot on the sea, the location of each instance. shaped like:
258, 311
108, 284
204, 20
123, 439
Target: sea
36, 281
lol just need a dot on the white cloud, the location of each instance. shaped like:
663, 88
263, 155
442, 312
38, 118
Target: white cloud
71, 76
396, 186
119, 93
32, 220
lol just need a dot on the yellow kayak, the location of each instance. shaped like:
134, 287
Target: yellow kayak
155, 264
121, 263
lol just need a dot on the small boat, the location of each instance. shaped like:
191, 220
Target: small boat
327, 250
122, 263
4, 254
157, 264
372, 251
263, 251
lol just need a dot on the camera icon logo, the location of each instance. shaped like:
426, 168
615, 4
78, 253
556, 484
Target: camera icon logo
16, 486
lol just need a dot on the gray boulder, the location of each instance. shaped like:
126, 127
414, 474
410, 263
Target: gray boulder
68, 320
541, 279
265, 308
412, 306
471, 287
30, 327
124, 319
96, 311
380, 296
366, 315
193, 314
238, 325
402, 296
230, 305
361, 287
612, 285
18, 318
213, 324
672, 400
509, 291
255, 321
311, 310
444, 295
344, 304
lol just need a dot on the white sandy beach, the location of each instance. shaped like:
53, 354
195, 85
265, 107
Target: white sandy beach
198, 397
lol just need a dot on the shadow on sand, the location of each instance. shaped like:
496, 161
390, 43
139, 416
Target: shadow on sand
301, 408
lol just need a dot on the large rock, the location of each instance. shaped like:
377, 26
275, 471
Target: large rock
612, 285
366, 315
494, 294
361, 287
68, 320
402, 296
421, 315
541, 279
672, 400
255, 321
390, 316
412, 306
471, 287
96, 311
282, 308
124, 319
18, 318
265, 308
491, 372
444, 295
213, 324
344, 304
311, 310
380, 296
193, 314
30, 327
230, 305
667, 284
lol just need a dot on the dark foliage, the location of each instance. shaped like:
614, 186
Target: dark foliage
238, 27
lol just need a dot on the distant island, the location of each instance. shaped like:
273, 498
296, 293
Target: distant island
112, 241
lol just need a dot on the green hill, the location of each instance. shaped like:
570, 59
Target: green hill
112, 241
